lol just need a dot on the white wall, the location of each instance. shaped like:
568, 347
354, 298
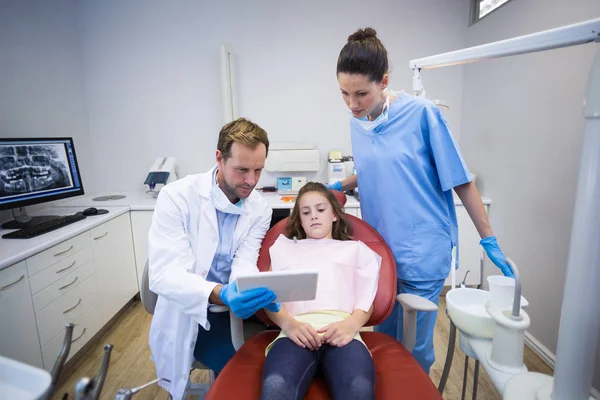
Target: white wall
41, 84
152, 73
522, 134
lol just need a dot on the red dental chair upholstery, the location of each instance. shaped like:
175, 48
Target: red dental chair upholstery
398, 375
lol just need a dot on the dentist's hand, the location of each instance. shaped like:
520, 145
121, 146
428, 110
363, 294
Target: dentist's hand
490, 244
245, 304
335, 186
273, 307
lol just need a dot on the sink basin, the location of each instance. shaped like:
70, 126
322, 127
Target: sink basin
22, 381
466, 307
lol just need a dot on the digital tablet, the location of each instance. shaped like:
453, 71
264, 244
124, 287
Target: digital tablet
287, 285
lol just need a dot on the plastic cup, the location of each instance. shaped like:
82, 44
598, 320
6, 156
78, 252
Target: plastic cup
502, 292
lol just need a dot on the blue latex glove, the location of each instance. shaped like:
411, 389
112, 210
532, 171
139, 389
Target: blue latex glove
335, 186
490, 244
274, 307
245, 304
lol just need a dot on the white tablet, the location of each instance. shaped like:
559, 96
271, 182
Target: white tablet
287, 285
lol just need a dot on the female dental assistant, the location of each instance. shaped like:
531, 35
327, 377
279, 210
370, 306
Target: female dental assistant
407, 164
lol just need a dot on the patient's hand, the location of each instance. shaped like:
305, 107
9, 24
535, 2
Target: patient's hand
302, 333
340, 333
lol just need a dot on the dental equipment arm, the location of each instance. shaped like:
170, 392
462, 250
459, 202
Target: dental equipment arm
101, 377
62, 354
565, 36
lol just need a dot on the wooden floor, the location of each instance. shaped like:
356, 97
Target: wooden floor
131, 365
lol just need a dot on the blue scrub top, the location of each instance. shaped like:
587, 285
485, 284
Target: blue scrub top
406, 169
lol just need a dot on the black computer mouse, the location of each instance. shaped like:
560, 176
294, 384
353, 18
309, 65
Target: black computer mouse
90, 211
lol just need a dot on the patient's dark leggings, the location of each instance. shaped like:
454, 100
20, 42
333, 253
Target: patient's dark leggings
289, 370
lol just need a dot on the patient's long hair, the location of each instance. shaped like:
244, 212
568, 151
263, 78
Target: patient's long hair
341, 230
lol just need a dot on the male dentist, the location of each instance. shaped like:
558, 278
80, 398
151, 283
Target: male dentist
206, 231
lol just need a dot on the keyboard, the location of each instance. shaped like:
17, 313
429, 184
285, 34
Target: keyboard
48, 226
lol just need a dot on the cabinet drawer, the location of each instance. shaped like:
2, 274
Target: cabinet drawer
18, 333
59, 270
51, 320
85, 328
62, 286
54, 254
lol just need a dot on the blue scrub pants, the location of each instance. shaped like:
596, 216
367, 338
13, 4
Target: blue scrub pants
214, 347
393, 325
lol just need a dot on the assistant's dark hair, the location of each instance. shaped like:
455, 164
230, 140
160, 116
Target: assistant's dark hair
364, 54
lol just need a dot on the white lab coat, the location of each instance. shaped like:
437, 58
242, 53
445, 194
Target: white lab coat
183, 240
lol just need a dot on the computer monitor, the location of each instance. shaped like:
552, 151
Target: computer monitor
34, 171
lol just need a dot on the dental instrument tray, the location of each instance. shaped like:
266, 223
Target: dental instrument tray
287, 285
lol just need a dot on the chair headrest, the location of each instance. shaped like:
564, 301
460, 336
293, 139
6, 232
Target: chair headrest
341, 197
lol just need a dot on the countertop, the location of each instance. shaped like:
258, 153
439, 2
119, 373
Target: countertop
16, 250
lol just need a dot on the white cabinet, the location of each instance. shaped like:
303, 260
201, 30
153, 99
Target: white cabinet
140, 225
85, 328
18, 331
85, 279
114, 261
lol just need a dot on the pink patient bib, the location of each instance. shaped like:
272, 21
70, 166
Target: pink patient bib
348, 272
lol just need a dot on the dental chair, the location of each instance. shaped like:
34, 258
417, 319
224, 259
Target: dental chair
398, 374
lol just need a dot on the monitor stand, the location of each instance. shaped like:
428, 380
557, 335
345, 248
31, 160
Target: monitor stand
23, 220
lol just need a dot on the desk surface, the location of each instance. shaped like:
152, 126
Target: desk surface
134, 201
140, 201
16, 250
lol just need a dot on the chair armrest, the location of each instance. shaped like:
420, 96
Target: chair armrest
237, 331
411, 304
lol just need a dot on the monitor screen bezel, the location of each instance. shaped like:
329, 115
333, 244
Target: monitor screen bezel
51, 197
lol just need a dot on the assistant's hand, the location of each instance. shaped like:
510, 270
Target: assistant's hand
245, 304
335, 186
340, 333
490, 244
302, 333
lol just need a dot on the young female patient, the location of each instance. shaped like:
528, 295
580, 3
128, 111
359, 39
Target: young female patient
322, 333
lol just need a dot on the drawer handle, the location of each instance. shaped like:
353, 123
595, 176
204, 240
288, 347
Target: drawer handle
72, 308
101, 236
12, 284
63, 252
78, 337
64, 269
69, 284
